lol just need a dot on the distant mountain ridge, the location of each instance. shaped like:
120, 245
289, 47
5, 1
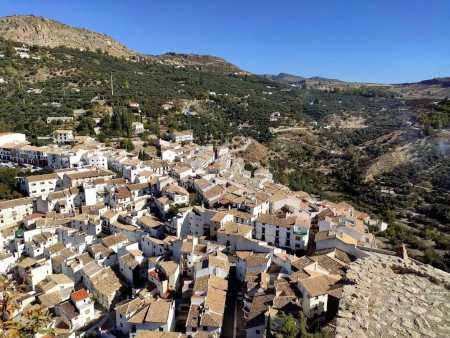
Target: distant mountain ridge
40, 31
295, 79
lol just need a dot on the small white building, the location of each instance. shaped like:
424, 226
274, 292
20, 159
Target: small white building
13, 211
181, 136
62, 136
289, 232
12, 138
137, 127
231, 233
42, 185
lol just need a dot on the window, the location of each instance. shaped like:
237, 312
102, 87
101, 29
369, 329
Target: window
257, 331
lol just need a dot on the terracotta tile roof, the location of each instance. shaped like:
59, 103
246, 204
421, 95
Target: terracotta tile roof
15, 203
231, 228
287, 222
106, 282
187, 247
158, 334
219, 216
214, 192
169, 267
124, 227
129, 261
90, 174
79, 295
324, 235
175, 189
253, 259
193, 319
60, 278
201, 283
139, 317
158, 312
50, 299
302, 262
68, 309
138, 186
109, 214
319, 285
241, 214
123, 192
129, 306
26, 263
149, 222
211, 320
258, 308
332, 265
44, 177
114, 239
303, 274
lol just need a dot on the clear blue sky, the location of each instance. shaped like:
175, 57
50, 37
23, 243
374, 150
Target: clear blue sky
353, 40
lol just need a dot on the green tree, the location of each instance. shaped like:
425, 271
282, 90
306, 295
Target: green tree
289, 327
303, 326
269, 328
86, 126
10, 51
126, 144
143, 156
391, 216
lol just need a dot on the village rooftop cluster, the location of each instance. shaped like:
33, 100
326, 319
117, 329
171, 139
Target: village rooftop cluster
189, 244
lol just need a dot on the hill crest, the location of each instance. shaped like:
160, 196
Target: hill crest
41, 31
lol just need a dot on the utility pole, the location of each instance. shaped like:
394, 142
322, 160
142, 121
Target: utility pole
112, 86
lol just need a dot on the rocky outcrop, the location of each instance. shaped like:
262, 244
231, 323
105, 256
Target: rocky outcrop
35, 30
39, 31
392, 297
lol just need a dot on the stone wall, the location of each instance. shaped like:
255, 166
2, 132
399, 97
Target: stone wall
392, 297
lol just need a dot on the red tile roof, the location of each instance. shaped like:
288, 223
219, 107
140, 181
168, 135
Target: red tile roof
33, 216
79, 295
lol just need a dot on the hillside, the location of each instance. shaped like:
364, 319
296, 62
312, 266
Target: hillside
39, 31
295, 79
436, 88
35, 30
200, 62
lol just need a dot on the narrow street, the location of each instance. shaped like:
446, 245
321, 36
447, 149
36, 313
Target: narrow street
229, 321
